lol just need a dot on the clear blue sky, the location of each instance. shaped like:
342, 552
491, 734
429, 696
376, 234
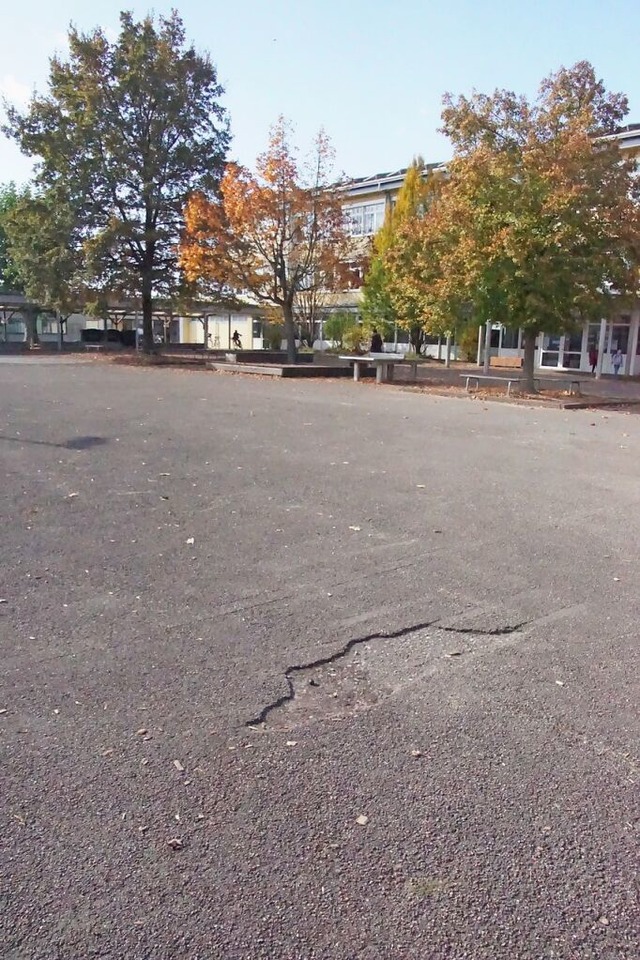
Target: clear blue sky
372, 74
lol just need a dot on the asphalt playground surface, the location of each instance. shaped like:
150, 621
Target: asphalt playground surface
300, 670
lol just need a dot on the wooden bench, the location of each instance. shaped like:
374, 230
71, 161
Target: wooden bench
509, 363
572, 382
94, 346
383, 364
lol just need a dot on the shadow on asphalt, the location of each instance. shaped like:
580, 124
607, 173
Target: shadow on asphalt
77, 443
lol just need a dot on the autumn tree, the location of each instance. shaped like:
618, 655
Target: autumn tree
277, 234
537, 225
126, 132
385, 301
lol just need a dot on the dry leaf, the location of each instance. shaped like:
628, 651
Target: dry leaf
292, 743
175, 843
71, 495
355, 528
560, 683
416, 753
191, 540
142, 732
178, 766
362, 820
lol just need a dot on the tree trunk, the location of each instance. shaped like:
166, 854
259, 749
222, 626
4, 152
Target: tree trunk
447, 355
31, 323
290, 333
147, 310
529, 339
205, 324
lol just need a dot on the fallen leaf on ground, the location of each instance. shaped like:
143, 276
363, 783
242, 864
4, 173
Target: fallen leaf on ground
142, 732
70, 495
178, 766
416, 753
421, 486
560, 683
175, 843
354, 528
292, 743
362, 820
191, 540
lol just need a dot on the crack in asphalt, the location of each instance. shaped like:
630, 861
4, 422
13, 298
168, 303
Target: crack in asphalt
356, 641
495, 632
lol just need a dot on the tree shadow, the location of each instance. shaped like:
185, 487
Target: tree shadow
76, 443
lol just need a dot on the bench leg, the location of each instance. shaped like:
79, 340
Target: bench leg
388, 372
356, 371
379, 372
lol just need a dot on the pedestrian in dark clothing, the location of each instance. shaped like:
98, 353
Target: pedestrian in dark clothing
377, 345
593, 358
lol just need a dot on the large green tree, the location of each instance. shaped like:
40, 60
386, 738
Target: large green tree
10, 197
45, 252
537, 225
127, 131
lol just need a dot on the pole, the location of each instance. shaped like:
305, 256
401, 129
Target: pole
487, 346
447, 355
480, 338
601, 344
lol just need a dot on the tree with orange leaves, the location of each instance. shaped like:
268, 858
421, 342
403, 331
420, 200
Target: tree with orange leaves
276, 234
537, 224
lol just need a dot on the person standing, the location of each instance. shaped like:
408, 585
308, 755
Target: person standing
616, 360
593, 358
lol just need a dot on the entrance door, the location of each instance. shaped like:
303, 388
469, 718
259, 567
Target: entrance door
550, 352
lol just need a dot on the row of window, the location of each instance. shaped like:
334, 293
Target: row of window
365, 219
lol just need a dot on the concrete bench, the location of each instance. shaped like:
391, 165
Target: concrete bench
573, 383
477, 378
383, 364
94, 346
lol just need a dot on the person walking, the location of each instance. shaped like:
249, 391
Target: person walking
236, 341
616, 360
593, 358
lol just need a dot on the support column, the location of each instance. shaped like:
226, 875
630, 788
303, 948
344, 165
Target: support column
439, 347
601, 345
479, 356
633, 343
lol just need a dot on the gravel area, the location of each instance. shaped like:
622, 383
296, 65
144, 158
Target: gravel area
300, 670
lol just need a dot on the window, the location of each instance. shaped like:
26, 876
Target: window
365, 219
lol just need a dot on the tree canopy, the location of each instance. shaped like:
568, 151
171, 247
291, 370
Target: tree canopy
387, 298
10, 281
126, 132
537, 224
277, 234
